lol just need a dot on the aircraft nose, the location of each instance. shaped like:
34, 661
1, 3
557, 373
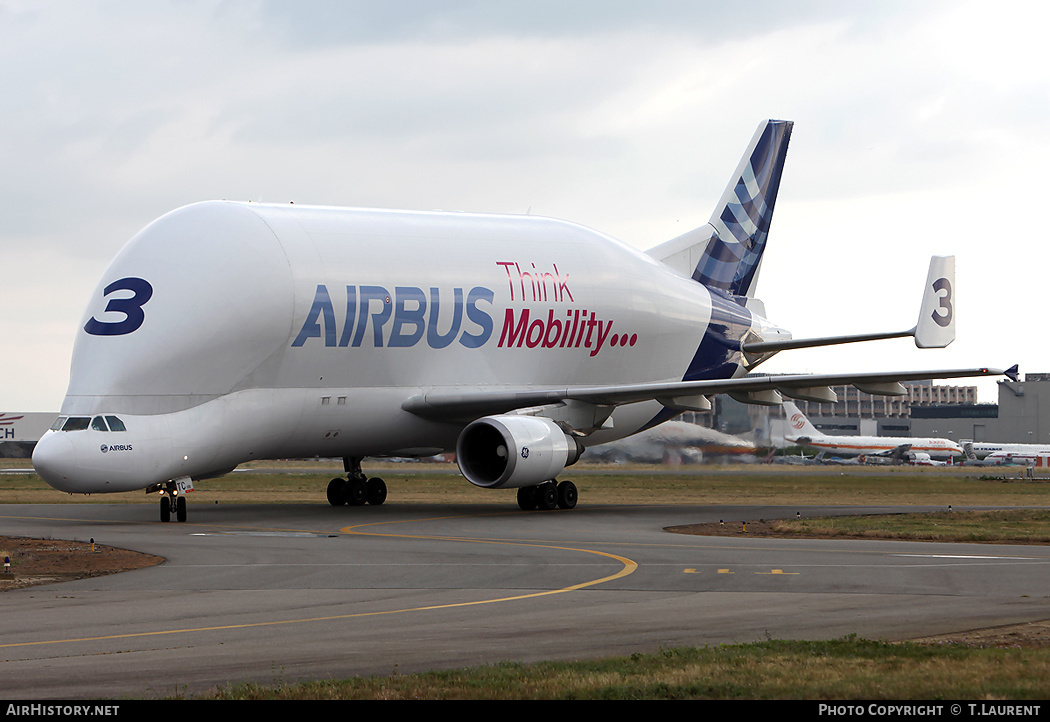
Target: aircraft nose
54, 460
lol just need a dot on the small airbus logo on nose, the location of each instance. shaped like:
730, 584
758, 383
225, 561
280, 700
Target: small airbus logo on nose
103, 448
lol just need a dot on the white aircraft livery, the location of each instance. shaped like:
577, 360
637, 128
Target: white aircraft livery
901, 448
226, 332
998, 452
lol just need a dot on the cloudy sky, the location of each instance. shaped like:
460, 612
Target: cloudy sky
920, 129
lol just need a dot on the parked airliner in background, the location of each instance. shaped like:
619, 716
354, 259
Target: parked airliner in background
1013, 458
999, 452
226, 332
905, 449
672, 442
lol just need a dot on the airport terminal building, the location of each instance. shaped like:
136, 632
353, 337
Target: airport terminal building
950, 412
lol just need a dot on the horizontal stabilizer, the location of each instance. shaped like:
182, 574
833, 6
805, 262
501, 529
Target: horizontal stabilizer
935, 329
759, 347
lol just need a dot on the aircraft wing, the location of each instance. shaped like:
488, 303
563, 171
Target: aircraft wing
443, 405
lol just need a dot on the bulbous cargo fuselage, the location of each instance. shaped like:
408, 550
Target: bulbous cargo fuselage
225, 332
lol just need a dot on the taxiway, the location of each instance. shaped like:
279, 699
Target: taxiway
275, 593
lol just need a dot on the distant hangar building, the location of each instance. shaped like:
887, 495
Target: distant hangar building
20, 432
950, 412
1022, 415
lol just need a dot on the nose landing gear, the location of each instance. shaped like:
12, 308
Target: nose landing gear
173, 499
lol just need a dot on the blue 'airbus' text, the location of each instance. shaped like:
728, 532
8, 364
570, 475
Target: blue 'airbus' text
375, 317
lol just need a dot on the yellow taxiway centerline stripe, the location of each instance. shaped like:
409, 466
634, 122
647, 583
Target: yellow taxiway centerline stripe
629, 566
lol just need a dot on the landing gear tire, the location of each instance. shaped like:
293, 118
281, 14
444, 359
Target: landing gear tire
356, 492
356, 489
547, 496
375, 491
567, 495
170, 502
527, 498
337, 492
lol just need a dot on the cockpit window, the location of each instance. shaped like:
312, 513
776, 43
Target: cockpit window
79, 423
76, 423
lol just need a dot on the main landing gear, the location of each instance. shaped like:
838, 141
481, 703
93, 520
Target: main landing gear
548, 495
356, 489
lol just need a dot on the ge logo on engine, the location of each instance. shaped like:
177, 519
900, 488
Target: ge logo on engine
524, 452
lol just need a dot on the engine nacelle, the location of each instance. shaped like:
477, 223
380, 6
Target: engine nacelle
498, 452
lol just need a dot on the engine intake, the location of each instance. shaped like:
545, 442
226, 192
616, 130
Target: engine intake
498, 452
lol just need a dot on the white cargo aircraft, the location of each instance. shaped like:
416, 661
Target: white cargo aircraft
226, 332
899, 448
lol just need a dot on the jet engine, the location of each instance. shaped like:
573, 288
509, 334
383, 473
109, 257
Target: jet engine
497, 452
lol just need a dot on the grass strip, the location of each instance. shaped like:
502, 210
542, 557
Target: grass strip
1014, 526
842, 669
305, 483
